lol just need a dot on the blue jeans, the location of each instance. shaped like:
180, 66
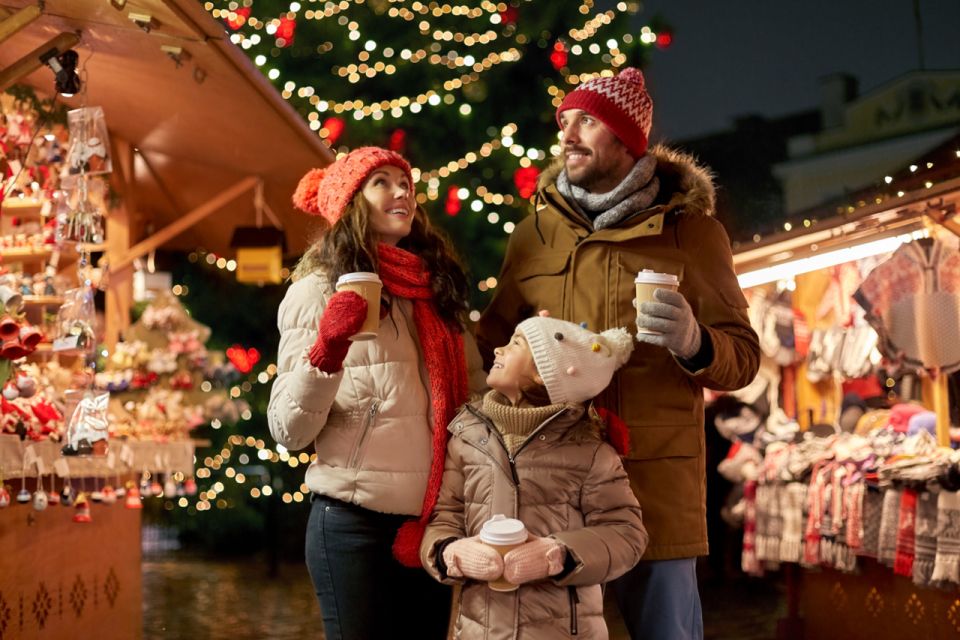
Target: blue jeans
364, 593
659, 600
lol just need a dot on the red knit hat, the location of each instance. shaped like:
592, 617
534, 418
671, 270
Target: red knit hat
327, 192
621, 102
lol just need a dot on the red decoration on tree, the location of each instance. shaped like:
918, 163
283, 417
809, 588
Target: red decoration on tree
398, 141
664, 39
239, 18
558, 57
452, 206
285, 31
509, 16
525, 178
334, 127
243, 359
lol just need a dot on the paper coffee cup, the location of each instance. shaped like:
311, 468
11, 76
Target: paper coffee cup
648, 281
367, 285
503, 534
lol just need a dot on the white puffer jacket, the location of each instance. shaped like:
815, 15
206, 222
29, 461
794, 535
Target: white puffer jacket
370, 423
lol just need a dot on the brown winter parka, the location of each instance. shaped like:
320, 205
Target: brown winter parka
564, 482
556, 261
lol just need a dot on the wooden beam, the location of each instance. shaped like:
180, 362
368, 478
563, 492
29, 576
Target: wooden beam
186, 221
31, 62
17, 21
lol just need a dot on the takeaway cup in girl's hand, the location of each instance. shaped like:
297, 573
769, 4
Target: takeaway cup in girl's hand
503, 534
367, 285
648, 281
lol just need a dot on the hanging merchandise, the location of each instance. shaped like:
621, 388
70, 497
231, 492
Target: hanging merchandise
80, 213
87, 430
89, 151
75, 321
913, 301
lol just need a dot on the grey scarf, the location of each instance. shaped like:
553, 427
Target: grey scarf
635, 193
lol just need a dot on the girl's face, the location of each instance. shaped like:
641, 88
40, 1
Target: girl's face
513, 368
392, 205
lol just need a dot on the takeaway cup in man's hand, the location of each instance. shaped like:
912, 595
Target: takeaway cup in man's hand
647, 282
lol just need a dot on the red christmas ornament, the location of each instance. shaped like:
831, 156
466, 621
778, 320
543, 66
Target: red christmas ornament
334, 127
238, 18
664, 39
398, 141
509, 16
558, 57
525, 179
452, 206
285, 31
243, 359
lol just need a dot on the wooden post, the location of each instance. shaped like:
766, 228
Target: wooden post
941, 406
119, 294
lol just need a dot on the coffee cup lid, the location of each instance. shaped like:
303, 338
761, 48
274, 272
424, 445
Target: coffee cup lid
649, 276
358, 276
503, 530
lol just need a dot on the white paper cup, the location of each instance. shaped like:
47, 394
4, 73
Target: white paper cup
648, 281
503, 534
367, 285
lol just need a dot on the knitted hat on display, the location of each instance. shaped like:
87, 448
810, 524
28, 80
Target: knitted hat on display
621, 102
575, 364
327, 192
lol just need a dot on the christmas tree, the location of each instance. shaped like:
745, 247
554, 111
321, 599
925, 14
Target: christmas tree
466, 91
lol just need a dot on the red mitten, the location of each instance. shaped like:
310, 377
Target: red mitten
343, 317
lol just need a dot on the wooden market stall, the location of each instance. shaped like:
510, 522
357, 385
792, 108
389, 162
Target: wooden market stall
871, 601
202, 144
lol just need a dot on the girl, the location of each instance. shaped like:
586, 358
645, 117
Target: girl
375, 411
532, 450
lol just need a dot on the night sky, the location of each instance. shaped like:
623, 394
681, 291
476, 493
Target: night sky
734, 57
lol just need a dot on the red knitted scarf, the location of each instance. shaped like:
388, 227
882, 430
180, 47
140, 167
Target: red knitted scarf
405, 275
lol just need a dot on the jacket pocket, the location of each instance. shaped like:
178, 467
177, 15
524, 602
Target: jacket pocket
541, 281
366, 425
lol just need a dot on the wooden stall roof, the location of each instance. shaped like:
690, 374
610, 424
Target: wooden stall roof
200, 126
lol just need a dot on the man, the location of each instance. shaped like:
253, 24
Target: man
606, 210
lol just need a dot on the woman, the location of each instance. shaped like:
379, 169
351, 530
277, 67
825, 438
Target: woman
376, 411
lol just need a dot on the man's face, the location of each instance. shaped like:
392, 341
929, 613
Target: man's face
594, 157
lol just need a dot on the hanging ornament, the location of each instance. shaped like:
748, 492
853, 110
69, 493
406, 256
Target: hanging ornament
525, 179
238, 18
398, 141
4, 496
334, 127
285, 31
109, 495
558, 57
132, 500
82, 513
67, 495
664, 39
243, 359
452, 205
53, 498
509, 15
190, 486
40, 500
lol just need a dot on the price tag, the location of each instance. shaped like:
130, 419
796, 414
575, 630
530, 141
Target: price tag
67, 343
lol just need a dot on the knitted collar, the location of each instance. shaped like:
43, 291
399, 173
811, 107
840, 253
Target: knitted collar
515, 424
636, 192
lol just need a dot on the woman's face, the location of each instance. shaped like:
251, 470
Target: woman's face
513, 368
392, 206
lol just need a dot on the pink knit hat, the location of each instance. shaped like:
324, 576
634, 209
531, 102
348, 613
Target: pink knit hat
620, 102
327, 192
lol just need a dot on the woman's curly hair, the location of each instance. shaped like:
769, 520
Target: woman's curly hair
351, 245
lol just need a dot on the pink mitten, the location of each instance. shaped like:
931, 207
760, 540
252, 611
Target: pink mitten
470, 558
535, 559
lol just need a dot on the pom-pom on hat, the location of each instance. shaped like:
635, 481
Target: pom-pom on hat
327, 192
576, 364
621, 102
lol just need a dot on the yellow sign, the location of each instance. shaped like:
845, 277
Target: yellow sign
259, 265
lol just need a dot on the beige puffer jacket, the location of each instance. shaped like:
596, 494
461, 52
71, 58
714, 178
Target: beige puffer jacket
370, 423
564, 482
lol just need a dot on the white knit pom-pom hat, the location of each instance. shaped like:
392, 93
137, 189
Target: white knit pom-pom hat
576, 364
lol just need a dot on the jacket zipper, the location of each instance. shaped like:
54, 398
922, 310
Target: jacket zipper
512, 459
574, 600
364, 432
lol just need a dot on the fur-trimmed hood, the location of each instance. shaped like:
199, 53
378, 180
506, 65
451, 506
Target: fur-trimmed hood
684, 183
